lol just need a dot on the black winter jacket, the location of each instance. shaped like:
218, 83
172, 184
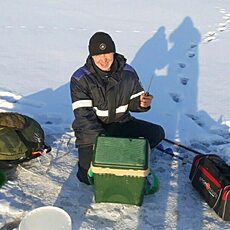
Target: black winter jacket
98, 100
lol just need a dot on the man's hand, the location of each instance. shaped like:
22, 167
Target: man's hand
145, 100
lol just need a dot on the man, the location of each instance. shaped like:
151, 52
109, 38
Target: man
103, 92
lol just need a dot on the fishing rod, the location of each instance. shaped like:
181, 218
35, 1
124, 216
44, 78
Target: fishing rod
183, 146
149, 86
170, 152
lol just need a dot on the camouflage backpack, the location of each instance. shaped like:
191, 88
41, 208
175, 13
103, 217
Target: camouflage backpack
21, 138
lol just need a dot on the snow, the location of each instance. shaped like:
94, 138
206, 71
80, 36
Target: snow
182, 45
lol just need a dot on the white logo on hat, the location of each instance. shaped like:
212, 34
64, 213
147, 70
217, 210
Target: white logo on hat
102, 46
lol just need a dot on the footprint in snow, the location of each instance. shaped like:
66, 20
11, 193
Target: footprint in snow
221, 29
184, 80
176, 97
209, 36
191, 54
222, 24
223, 11
209, 39
226, 17
196, 119
193, 45
182, 65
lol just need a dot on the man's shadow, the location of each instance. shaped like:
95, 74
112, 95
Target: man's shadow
171, 65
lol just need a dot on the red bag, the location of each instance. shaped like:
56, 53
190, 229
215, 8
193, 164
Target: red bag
210, 176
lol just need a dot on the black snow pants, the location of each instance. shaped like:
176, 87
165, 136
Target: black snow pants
134, 128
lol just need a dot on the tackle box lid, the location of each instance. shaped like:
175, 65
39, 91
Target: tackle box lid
121, 153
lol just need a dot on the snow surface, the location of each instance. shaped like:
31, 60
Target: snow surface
182, 45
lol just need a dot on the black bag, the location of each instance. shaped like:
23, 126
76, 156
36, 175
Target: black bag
21, 139
210, 176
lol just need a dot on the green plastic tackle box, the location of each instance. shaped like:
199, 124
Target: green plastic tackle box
120, 167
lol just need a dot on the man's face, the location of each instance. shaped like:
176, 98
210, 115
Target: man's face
104, 61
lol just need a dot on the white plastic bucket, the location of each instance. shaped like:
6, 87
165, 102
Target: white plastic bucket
46, 218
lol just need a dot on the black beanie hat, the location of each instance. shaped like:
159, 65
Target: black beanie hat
101, 43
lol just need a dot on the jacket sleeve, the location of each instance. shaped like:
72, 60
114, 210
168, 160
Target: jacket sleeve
134, 104
86, 124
